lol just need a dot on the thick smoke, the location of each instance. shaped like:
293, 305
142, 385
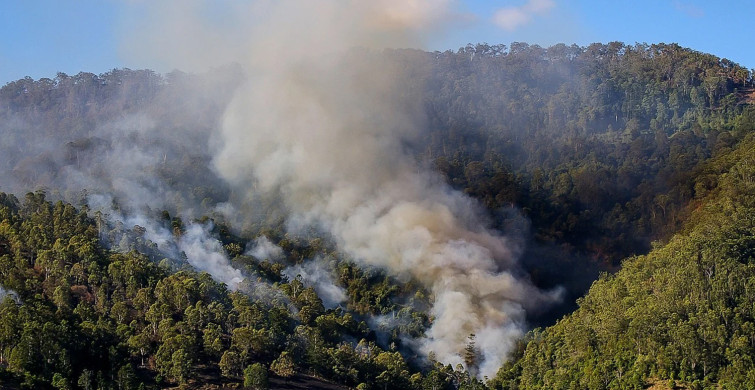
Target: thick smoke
195, 244
317, 275
326, 127
264, 249
121, 142
207, 254
324, 123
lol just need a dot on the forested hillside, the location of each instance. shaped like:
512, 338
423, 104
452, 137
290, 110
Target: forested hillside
128, 261
681, 315
85, 317
597, 144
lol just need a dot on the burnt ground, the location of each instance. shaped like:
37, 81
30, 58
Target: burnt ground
303, 382
211, 380
746, 96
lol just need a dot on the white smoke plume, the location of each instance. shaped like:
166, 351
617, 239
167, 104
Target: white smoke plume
9, 294
207, 254
325, 126
315, 274
195, 244
264, 249
322, 123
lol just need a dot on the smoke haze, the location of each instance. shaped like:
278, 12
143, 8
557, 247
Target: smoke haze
326, 130
322, 122
8, 294
316, 274
264, 249
207, 254
511, 18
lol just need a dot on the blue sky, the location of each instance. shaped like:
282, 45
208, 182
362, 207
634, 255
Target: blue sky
39, 38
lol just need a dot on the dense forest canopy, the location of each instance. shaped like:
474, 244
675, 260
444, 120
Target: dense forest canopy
127, 260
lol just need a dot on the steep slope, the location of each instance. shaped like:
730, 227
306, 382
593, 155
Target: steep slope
683, 314
75, 314
580, 155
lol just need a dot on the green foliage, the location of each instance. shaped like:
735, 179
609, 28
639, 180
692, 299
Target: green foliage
93, 318
230, 364
604, 148
283, 366
682, 314
596, 144
255, 377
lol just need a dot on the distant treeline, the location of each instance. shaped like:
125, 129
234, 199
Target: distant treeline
608, 150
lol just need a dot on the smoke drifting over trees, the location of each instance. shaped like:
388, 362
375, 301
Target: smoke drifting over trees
471, 185
324, 128
8, 293
321, 121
